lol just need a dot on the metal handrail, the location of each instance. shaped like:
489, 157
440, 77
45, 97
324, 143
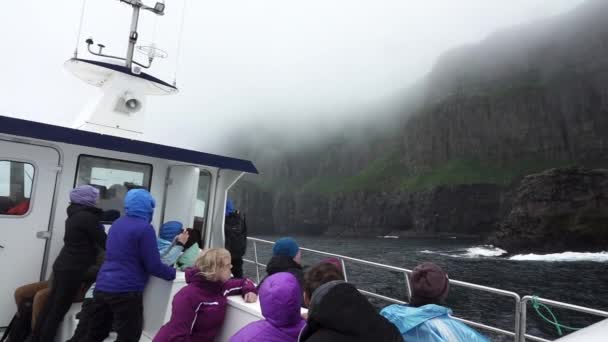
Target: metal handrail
406, 272
562, 305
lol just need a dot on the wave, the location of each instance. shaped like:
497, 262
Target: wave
484, 251
563, 257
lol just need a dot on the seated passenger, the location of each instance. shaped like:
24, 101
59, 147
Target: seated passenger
424, 319
319, 274
171, 241
286, 257
339, 312
280, 300
198, 309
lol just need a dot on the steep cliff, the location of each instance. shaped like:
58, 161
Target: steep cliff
557, 210
521, 101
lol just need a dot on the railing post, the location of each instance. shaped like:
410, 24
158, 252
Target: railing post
344, 270
523, 307
407, 287
257, 265
517, 321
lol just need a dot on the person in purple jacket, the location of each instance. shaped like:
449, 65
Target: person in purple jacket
131, 257
198, 310
280, 300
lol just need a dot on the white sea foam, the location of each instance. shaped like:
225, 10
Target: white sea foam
566, 256
484, 251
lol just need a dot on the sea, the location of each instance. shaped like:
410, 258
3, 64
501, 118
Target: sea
573, 277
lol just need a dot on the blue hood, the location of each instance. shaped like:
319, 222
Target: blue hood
229, 207
139, 203
408, 317
429, 323
169, 230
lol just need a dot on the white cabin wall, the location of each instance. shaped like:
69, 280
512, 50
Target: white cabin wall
68, 174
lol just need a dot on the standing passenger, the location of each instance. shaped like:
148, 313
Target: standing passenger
235, 232
83, 236
131, 257
424, 319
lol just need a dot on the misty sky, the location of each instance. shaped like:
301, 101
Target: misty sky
268, 64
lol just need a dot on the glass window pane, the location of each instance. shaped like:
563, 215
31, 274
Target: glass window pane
113, 178
202, 197
16, 181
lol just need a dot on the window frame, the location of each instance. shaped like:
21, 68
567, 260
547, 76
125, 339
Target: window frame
148, 187
32, 190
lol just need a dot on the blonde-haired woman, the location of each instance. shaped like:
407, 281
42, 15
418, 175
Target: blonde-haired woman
199, 308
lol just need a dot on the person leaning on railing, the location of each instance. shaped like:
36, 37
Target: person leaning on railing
425, 319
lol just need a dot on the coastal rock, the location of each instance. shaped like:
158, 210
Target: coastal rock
562, 209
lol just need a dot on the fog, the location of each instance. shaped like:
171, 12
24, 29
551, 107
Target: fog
273, 68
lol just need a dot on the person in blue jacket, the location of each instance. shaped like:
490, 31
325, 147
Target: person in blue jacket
131, 257
425, 319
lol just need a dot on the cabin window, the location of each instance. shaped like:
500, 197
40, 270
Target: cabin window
113, 178
202, 200
16, 179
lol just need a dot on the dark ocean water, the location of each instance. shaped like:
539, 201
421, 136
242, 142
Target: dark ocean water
577, 281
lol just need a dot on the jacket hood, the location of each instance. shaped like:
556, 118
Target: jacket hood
139, 203
193, 277
409, 317
229, 208
340, 307
169, 230
281, 263
280, 299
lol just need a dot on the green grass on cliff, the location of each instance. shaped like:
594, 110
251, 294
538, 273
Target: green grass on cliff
386, 173
475, 172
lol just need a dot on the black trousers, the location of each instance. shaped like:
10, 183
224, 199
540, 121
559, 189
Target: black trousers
64, 289
123, 311
84, 319
237, 266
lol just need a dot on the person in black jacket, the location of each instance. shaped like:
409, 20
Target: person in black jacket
235, 232
339, 312
84, 236
286, 257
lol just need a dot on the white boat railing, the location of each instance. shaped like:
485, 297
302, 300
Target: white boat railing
519, 313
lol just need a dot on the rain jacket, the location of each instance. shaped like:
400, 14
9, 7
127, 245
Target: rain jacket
430, 323
280, 300
131, 249
198, 309
339, 313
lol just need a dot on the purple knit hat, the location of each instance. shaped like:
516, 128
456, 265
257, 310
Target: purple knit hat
430, 284
84, 195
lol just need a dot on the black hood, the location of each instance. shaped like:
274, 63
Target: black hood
281, 263
338, 311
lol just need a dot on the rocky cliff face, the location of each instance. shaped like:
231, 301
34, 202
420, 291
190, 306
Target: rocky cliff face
557, 210
535, 93
470, 210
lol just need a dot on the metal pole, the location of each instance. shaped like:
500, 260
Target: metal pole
132, 36
518, 321
407, 286
522, 326
257, 266
344, 270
